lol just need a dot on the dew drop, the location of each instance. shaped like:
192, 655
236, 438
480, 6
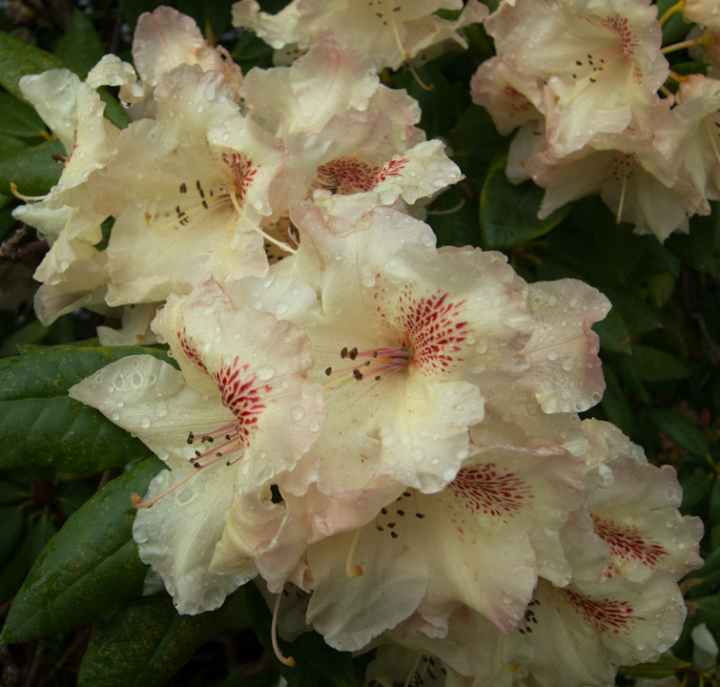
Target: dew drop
297, 413
264, 373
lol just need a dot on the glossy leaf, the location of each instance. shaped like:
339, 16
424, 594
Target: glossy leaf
18, 58
40, 425
90, 568
680, 430
508, 212
19, 119
37, 534
143, 645
31, 168
708, 611
81, 47
667, 665
654, 365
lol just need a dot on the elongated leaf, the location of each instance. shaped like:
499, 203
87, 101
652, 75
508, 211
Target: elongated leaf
31, 168
681, 430
90, 568
613, 333
708, 611
18, 58
316, 664
143, 645
13, 526
18, 118
37, 534
654, 365
81, 47
667, 665
695, 488
508, 212
41, 426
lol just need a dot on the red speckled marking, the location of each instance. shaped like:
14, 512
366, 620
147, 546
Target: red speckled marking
242, 171
391, 169
190, 350
242, 394
516, 103
347, 175
240, 389
431, 327
608, 615
490, 490
621, 27
627, 543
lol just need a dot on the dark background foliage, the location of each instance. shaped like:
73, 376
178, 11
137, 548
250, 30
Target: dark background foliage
70, 578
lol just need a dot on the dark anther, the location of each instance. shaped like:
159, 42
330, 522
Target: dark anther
344, 352
420, 515
383, 511
328, 371
183, 188
394, 535
401, 512
352, 354
357, 374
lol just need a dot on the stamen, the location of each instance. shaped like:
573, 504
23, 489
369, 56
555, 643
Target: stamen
353, 570
618, 219
232, 190
218, 454
17, 194
289, 661
404, 52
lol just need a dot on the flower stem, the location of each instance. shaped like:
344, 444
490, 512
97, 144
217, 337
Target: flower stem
677, 7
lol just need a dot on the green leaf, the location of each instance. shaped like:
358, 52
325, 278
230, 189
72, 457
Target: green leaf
17, 118
454, 219
90, 568
654, 365
18, 58
697, 248
81, 48
667, 665
708, 611
714, 506
31, 168
13, 526
475, 142
316, 663
143, 645
615, 404
613, 333
38, 533
41, 426
681, 430
508, 212
695, 488
114, 111
32, 333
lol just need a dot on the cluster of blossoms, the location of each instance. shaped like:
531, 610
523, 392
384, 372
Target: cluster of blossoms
389, 427
582, 81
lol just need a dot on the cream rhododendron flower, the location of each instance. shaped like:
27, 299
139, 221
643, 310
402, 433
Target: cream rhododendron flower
74, 272
188, 191
165, 39
705, 12
344, 131
389, 32
240, 411
600, 62
637, 179
474, 544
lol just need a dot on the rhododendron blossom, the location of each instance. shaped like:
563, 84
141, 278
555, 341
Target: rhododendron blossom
386, 430
389, 32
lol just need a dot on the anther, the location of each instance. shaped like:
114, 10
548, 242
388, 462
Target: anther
328, 371
352, 354
344, 352
357, 374
394, 535
183, 188
420, 515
